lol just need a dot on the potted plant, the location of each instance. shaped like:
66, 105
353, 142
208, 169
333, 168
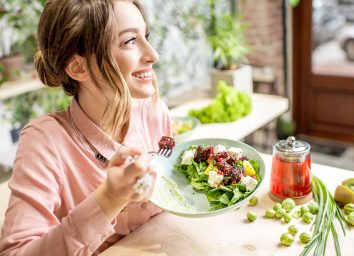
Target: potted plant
230, 48
21, 109
18, 29
18, 111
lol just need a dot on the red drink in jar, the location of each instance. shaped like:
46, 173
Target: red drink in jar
291, 171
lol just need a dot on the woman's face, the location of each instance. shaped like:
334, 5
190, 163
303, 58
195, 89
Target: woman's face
132, 51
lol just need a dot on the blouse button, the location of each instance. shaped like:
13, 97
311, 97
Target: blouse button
143, 205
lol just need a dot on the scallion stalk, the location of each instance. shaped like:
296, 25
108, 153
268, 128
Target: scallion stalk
324, 224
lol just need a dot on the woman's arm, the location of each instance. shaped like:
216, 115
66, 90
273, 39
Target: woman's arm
33, 223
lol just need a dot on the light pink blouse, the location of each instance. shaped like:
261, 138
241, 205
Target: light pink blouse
52, 210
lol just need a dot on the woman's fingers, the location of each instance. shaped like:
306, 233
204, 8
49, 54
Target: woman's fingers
138, 166
130, 175
123, 155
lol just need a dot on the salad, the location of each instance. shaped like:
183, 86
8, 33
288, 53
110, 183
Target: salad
181, 126
224, 175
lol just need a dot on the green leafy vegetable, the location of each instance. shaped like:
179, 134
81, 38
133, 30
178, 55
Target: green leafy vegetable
228, 106
226, 192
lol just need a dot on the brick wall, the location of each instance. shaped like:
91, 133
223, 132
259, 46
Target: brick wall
265, 35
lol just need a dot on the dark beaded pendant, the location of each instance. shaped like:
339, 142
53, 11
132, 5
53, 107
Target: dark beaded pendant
101, 158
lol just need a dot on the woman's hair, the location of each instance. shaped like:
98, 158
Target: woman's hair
86, 28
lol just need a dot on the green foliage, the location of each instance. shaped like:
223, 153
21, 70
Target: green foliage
51, 100
229, 42
285, 128
19, 109
294, 3
3, 78
228, 106
24, 107
18, 23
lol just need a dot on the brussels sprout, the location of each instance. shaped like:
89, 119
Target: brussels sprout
253, 201
307, 217
280, 213
287, 217
277, 206
270, 213
293, 230
251, 216
287, 239
304, 209
297, 214
305, 237
349, 208
288, 204
313, 207
350, 218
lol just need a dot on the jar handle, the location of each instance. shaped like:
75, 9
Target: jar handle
291, 141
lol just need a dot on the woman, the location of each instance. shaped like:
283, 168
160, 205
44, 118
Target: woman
74, 186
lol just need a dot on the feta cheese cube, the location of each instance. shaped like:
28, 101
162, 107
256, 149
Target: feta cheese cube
235, 152
219, 148
187, 157
249, 182
214, 178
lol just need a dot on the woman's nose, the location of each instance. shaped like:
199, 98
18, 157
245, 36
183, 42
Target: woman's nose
149, 53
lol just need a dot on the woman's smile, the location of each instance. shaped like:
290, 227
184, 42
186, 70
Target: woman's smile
145, 75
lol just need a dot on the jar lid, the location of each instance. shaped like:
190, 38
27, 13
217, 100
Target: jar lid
292, 149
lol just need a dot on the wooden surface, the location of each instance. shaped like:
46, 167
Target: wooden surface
265, 109
230, 233
13, 88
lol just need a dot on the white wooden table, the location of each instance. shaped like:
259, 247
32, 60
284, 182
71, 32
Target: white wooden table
265, 108
228, 234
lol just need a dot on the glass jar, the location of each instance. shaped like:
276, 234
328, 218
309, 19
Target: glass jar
291, 171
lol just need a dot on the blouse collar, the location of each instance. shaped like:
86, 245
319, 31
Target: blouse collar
92, 134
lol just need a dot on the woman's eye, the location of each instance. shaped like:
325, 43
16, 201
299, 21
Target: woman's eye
130, 42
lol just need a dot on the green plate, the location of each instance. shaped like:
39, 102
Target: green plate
166, 198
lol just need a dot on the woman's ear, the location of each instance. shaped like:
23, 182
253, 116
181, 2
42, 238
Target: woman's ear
77, 69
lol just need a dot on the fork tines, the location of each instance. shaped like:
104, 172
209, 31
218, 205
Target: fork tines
165, 152
166, 144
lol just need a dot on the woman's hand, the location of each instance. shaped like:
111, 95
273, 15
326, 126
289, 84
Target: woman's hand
124, 169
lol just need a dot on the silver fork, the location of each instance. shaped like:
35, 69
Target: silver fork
166, 145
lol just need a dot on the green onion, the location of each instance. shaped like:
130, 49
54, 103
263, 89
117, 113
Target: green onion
328, 211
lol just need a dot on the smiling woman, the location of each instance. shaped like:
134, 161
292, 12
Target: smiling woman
72, 188
133, 45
